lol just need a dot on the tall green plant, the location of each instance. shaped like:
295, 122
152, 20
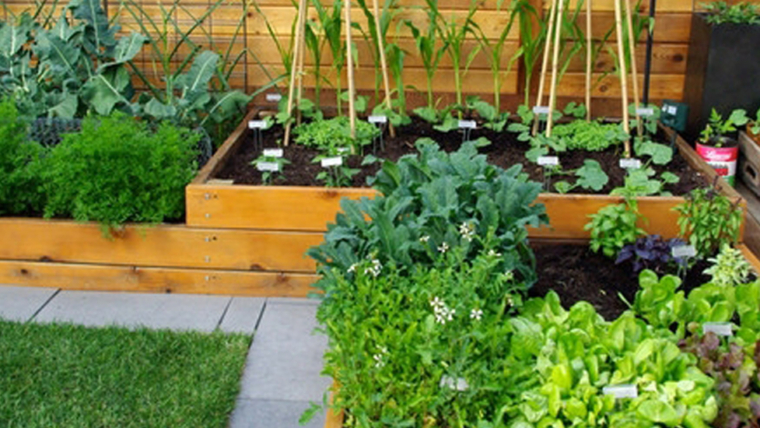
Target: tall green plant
430, 52
531, 39
330, 25
387, 13
494, 51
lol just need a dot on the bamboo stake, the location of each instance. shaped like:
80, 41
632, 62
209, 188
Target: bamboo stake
634, 72
383, 65
350, 63
555, 71
623, 77
589, 45
301, 55
544, 63
293, 65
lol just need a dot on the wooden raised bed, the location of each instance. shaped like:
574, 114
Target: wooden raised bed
334, 419
220, 204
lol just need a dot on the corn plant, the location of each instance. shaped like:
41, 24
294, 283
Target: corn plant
530, 42
494, 51
453, 34
428, 49
329, 24
387, 14
285, 51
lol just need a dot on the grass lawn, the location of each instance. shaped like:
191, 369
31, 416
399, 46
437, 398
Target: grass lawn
70, 376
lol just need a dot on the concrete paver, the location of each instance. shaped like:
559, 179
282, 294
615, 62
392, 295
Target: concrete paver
157, 311
242, 315
272, 414
21, 303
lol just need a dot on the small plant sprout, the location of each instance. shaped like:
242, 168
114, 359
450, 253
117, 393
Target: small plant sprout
336, 173
715, 133
270, 167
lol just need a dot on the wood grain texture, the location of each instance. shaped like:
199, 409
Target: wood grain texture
157, 246
155, 280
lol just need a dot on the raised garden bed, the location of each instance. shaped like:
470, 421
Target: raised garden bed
214, 201
609, 305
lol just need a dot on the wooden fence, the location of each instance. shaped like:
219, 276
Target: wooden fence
243, 27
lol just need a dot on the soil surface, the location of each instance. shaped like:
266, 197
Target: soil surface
504, 151
578, 274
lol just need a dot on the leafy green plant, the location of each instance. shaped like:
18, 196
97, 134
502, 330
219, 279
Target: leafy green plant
719, 12
729, 268
717, 128
335, 175
433, 202
653, 253
267, 175
495, 120
66, 67
19, 162
614, 226
642, 182
589, 176
332, 134
140, 179
708, 220
589, 135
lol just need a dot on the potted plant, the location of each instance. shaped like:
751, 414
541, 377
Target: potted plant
722, 62
717, 147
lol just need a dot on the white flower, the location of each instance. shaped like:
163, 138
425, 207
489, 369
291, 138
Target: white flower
450, 314
443, 248
441, 311
467, 231
509, 275
510, 302
476, 314
375, 269
436, 302
379, 363
440, 319
425, 239
492, 253
353, 267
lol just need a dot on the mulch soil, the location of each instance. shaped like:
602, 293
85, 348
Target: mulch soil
504, 151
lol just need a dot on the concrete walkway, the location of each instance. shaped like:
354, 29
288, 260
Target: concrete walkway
282, 371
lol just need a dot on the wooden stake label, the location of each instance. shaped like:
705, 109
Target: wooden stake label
377, 119
273, 98
541, 110
621, 391
717, 328
630, 163
548, 160
257, 124
467, 124
275, 153
645, 111
268, 166
683, 251
333, 161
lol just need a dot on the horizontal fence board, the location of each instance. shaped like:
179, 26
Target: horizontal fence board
159, 246
663, 86
157, 280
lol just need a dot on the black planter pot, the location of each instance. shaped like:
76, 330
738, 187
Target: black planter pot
723, 71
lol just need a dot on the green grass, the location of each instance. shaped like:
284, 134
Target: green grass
69, 376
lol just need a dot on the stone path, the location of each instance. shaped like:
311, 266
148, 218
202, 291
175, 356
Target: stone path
282, 371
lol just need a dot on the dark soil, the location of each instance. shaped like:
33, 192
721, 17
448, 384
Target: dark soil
504, 151
578, 274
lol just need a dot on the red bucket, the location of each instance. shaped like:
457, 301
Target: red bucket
722, 159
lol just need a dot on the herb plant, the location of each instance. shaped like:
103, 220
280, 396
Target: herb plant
719, 12
729, 268
266, 175
653, 253
717, 128
337, 175
614, 227
708, 220
140, 179
19, 163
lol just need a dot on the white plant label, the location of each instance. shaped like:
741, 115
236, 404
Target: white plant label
257, 124
343, 150
460, 384
268, 166
377, 119
273, 98
717, 328
630, 163
275, 153
334, 161
541, 110
467, 124
671, 109
683, 251
621, 391
548, 160
645, 111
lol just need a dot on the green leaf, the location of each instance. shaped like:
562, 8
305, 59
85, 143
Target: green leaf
659, 412
200, 73
104, 91
591, 175
661, 154
128, 47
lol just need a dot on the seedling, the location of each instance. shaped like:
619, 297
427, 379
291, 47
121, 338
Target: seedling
258, 127
336, 173
717, 128
270, 167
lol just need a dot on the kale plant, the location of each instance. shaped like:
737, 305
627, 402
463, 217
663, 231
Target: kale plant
20, 191
708, 220
431, 203
117, 170
653, 253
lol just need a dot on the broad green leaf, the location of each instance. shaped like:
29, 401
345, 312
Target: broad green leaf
591, 175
